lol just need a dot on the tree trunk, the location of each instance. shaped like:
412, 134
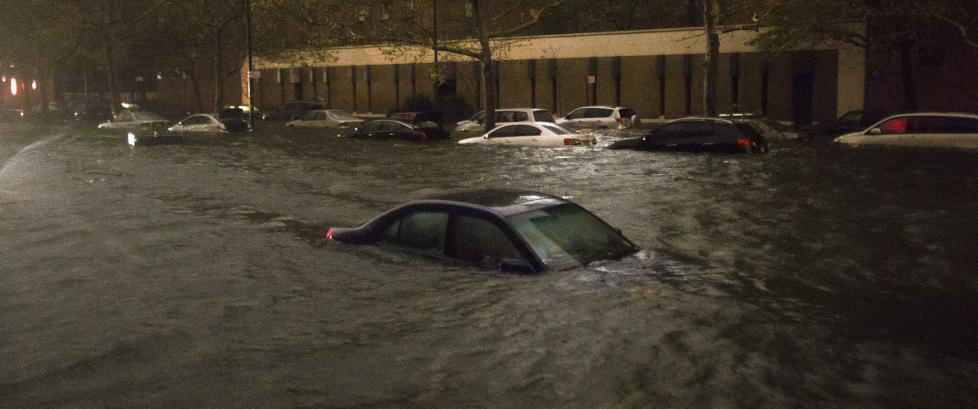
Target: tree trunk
218, 71
488, 97
110, 71
710, 62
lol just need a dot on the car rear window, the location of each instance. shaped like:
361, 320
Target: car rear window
556, 129
511, 116
626, 112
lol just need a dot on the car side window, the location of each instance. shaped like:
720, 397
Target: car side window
577, 113
478, 240
127, 117
372, 126
422, 230
599, 112
503, 132
542, 116
669, 129
526, 130
894, 126
698, 129
320, 115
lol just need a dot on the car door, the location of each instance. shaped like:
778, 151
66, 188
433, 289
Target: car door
528, 135
420, 231
664, 135
501, 135
371, 129
476, 239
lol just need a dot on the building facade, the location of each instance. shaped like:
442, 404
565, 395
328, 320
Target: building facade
659, 73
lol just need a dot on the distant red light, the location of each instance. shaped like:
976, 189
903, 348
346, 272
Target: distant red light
745, 143
329, 234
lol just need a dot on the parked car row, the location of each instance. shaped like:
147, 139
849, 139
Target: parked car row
593, 117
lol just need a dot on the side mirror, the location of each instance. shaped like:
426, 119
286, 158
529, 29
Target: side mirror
485, 136
875, 131
516, 265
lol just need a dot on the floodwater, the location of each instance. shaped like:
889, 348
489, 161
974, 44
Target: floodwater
198, 275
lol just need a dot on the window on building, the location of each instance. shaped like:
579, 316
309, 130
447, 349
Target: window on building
469, 8
385, 10
364, 13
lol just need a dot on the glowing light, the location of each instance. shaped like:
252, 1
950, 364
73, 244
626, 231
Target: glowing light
4, 78
13, 86
132, 139
33, 84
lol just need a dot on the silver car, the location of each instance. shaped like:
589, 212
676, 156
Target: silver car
600, 117
933, 129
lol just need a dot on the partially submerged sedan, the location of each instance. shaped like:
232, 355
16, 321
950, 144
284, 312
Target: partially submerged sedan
698, 134
532, 134
326, 118
203, 123
391, 129
134, 120
516, 231
926, 129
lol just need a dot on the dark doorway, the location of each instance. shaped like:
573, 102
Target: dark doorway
298, 91
801, 97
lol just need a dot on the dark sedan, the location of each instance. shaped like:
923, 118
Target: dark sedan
697, 134
516, 231
391, 129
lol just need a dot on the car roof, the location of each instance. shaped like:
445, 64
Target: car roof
519, 109
503, 202
948, 114
702, 119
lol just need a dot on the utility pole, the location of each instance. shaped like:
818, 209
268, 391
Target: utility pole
434, 22
251, 66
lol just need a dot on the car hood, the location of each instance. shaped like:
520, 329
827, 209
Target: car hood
475, 139
847, 138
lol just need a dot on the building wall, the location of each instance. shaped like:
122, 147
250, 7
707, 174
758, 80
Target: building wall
660, 73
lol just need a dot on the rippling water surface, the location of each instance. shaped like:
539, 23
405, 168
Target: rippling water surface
198, 275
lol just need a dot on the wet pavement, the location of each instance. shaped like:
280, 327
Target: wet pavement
198, 275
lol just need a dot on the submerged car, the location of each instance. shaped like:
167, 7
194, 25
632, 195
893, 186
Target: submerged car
601, 117
204, 123
948, 130
532, 134
473, 123
851, 121
391, 129
326, 118
697, 134
516, 231
135, 120
506, 115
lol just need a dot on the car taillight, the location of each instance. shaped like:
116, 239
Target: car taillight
618, 117
572, 141
418, 135
329, 234
745, 143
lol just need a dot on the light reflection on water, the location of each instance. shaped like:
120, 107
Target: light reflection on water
198, 275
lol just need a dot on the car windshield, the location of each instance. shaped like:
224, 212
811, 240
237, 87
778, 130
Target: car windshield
566, 236
147, 116
341, 115
559, 130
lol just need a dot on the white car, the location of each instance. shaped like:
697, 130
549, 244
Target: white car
508, 115
599, 116
199, 123
531, 134
135, 120
934, 129
326, 118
